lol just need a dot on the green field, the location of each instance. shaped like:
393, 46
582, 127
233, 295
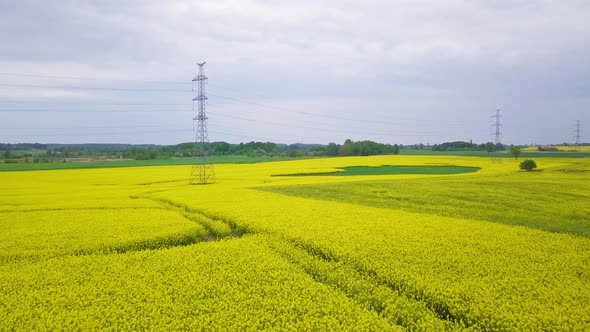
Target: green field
532, 199
139, 248
391, 170
501, 154
237, 159
133, 163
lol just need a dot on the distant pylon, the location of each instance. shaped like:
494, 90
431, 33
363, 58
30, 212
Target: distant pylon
497, 124
202, 171
578, 136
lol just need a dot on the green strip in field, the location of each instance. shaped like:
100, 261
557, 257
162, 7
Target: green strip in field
392, 170
226, 159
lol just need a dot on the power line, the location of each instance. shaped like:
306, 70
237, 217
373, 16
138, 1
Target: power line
372, 132
278, 108
162, 82
90, 111
332, 117
93, 78
274, 107
268, 139
281, 125
382, 122
112, 79
88, 88
172, 111
105, 133
294, 111
175, 90
135, 110
83, 127
265, 138
316, 128
218, 114
93, 103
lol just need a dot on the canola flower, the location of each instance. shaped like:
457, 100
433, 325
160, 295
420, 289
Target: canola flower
583, 148
228, 285
288, 253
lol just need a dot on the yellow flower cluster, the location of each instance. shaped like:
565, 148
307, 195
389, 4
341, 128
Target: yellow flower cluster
584, 148
139, 248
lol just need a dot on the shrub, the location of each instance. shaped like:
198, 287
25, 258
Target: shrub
528, 165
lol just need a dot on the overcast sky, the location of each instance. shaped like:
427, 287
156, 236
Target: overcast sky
406, 71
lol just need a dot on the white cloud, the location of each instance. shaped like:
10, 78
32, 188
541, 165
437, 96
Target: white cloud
415, 56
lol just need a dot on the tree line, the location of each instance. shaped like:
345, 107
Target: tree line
468, 146
258, 149
35, 152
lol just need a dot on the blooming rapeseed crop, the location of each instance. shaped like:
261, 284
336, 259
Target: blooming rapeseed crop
140, 248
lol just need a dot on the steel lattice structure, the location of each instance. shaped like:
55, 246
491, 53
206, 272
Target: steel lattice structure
202, 171
578, 137
497, 124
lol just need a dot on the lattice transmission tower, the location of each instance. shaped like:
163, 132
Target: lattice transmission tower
497, 124
578, 136
202, 171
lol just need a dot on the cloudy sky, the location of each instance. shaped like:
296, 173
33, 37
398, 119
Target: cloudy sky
405, 71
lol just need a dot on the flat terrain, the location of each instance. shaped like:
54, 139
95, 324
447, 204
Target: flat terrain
229, 159
390, 170
584, 152
137, 248
578, 148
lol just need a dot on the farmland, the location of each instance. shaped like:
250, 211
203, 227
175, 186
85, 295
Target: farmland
424, 246
233, 159
576, 148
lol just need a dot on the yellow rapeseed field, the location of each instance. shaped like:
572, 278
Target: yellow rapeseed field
139, 248
582, 148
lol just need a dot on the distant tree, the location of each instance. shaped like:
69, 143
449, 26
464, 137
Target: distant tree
395, 149
515, 152
152, 154
259, 152
528, 165
332, 149
221, 148
547, 148
7, 154
455, 146
364, 148
490, 147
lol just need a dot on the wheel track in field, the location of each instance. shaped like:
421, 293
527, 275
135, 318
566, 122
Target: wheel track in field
178, 239
214, 230
396, 302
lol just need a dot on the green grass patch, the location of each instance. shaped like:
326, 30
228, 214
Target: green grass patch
391, 170
232, 159
554, 200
